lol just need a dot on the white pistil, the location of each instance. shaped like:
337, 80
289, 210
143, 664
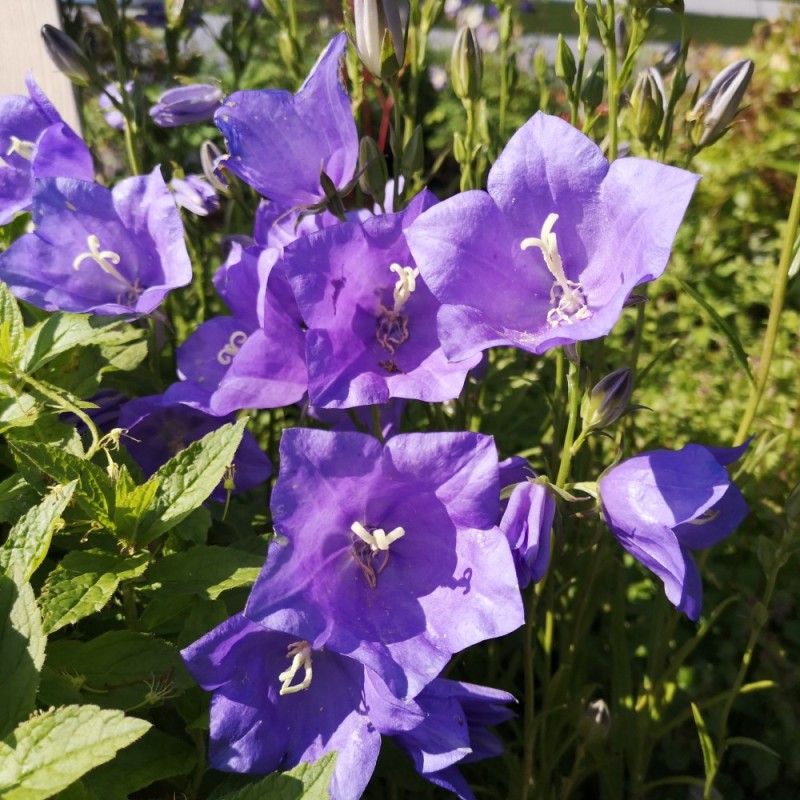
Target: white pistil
406, 284
231, 348
377, 539
21, 147
105, 259
300, 653
568, 296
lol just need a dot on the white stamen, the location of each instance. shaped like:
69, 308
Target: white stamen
406, 284
21, 147
105, 259
231, 348
378, 539
300, 653
566, 295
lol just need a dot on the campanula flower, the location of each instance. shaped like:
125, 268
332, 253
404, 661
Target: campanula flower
550, 254
186, 105
98, 250
195, 194
664, 504
279, 143
371, 319
35, 142
388, 554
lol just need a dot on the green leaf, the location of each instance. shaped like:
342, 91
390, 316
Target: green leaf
12, 331
61, 332
95, 491
706, 744
187, 480
17, 497
728, 331
154, 757
29, 540
307, 781
83, 583
208, 571
22, 644
746, 741
49, 752
130, 504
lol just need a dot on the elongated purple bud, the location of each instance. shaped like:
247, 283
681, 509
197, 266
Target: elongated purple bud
719, 104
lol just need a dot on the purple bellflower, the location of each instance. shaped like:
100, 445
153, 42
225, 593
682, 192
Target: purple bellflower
98, 250
371, 320
157, 430
455, 730
551, 253
663, 504
35, 142
388, 554
255, 358
277, 701
279, 142
195, 194
186, 105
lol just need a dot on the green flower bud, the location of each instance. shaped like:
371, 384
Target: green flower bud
565, 62
373, 172
67, 56
608, 400
719, 104
413, 154
381, 35
594, 85
648, 101
466, 65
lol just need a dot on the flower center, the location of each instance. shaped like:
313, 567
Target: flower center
371, 549
231, 348
105, 259
21, 147
300, 653
566, 296
392, 329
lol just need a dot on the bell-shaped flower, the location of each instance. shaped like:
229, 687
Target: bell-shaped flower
186, 105
550, 254
35, 142
98, 250
158, 429
279, 143
388, 554
455, 730
664, 504
371, 319
195, 194
277, 701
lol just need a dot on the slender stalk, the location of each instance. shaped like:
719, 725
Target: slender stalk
776, 309
572, 422
529, 728
613, 90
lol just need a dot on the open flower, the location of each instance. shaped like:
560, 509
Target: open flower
100, 251
663, 504
279, 142
35, 143
549, 256
388, 554
371, 320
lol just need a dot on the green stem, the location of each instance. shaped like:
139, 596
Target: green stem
776, 309
529, 728
572, 422
613, 99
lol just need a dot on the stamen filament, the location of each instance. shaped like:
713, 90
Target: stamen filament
105, 259
21, 147
231, 348
406, 284
300, 653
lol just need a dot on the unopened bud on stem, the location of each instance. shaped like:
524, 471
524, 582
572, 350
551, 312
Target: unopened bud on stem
466, 65
381, 35
373, 172
608, 400
648, 100
67, 56
565, 62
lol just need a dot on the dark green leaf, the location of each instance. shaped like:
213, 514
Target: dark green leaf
304, 782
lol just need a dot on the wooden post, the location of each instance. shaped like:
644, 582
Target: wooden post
22, 49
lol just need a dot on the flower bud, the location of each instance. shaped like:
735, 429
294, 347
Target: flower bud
413, 154
381, 35
621, 38
176, 11
466, 65
67, 56
594, 85
195, 194
608, 400
210, 156
185, 105
109, 13
648, 101
565, 62
373, 172
719, 104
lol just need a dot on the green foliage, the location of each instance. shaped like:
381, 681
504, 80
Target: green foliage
304, 782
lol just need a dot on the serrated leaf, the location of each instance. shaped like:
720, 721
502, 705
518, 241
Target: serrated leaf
187, 480
130, 505
62, 331
83, 583
205, 570
29, 540
54, 749
307, 781
22, 644
119, 668
706, 744
17, 497
95, 491
12, 329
